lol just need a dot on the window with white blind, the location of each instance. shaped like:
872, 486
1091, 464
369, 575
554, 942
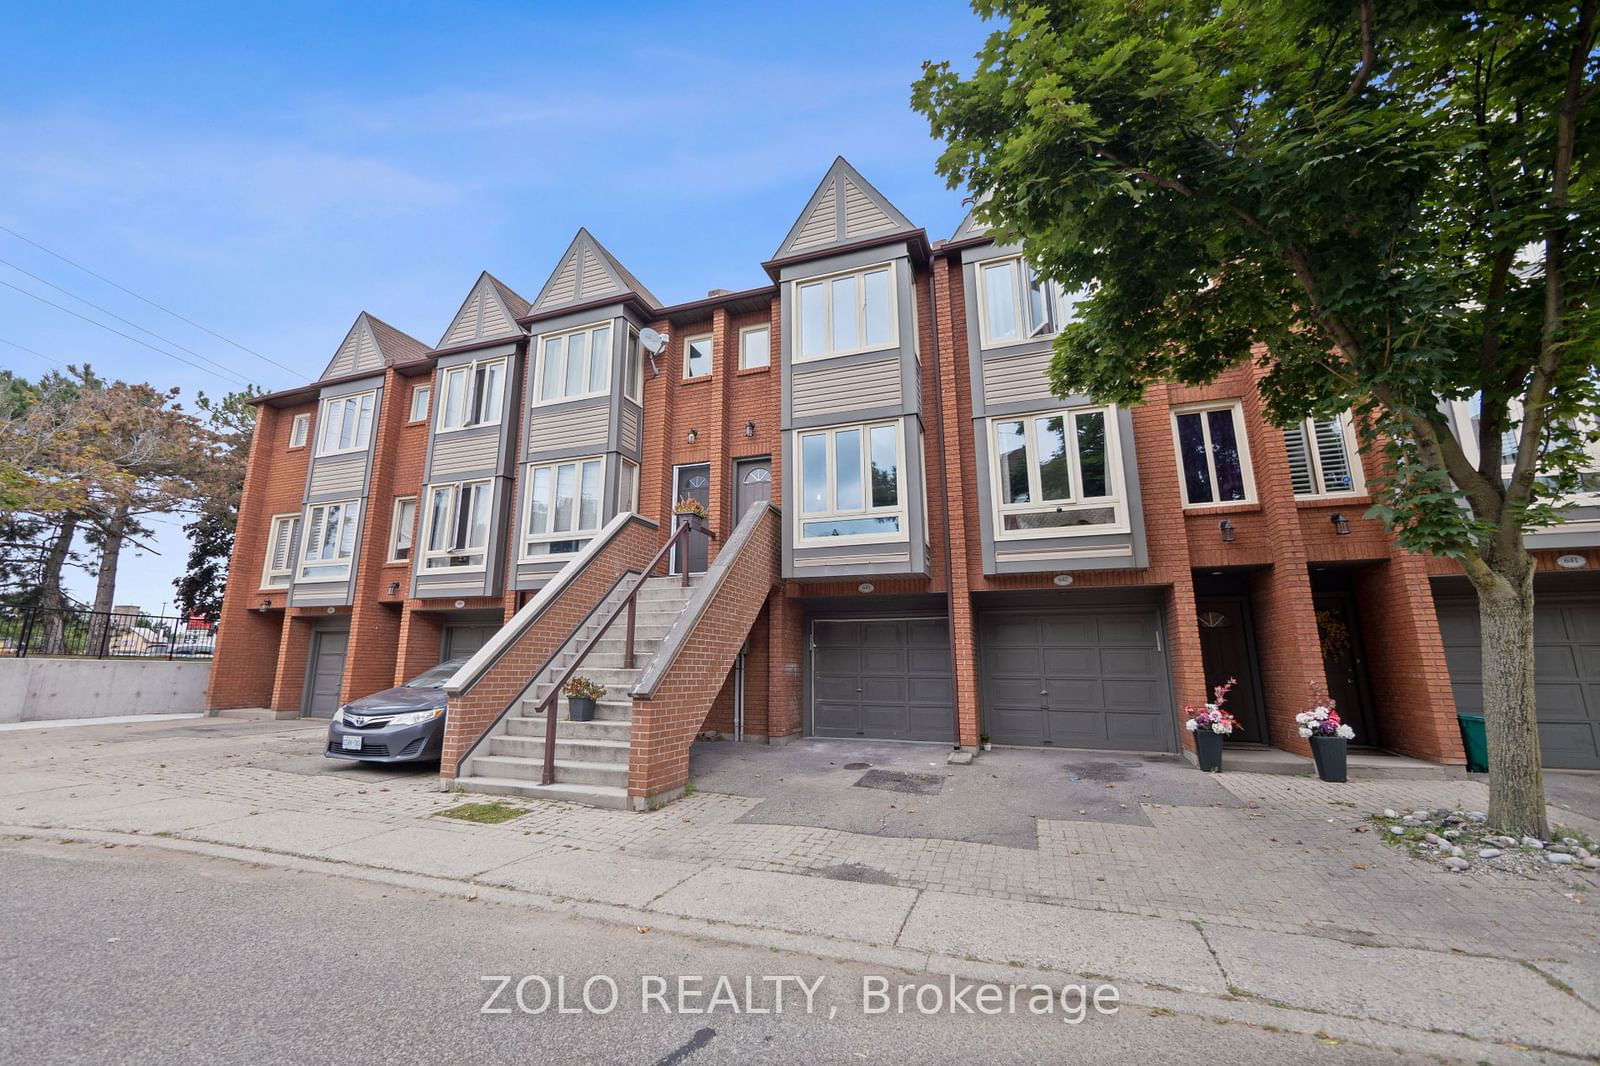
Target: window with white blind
402, 528
330, 542
471, 395
1322, 457
458, 526
278, 569
299, 431
346, 423
574, 365
1056, 474
563, 506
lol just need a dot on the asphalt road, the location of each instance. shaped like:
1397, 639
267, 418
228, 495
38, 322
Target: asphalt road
140, 955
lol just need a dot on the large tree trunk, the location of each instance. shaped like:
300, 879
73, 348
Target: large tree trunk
105, 587
1505, 612
51, 602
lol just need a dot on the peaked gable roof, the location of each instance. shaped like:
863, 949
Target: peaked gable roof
844, 209
970, 227
587, 272
373, 344
490, 311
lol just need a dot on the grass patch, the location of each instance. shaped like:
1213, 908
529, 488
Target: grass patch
483, 813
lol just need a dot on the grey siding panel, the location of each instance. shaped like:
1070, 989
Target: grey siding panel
464, 451
338, 474
632, 420
1017, 378
820, 228
322, 594
861, 215
827, 390
569, 427
451, 584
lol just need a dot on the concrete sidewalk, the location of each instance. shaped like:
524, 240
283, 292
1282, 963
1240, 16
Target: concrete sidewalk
1265, 908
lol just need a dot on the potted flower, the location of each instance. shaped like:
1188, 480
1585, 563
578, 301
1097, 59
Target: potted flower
581, 695
984, 743
692, 513
1210, 724
1328, 735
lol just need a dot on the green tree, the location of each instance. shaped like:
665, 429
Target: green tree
232, 421
1387, 206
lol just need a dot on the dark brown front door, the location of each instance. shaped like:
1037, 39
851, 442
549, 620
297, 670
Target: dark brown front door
752, 484
1344, 663
1228, 649
694, 482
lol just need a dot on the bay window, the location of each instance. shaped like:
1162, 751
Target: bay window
850, 483
1015, 304
458, 526
1322, 457
346, 423
563, 506
852, 312
574, 365
472, 394
1057, 473
1213, 455
330, 541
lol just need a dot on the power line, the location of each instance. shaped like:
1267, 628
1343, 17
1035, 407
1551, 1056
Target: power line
129, 336
113, 314
30, 351
167, 310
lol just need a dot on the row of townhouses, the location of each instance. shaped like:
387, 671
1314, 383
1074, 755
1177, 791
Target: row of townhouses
908, 537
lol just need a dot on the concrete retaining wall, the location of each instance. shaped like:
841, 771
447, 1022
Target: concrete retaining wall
44, 690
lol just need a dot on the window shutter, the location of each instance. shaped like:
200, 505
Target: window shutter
1332, 457
1294, 442
314, 534
280, 547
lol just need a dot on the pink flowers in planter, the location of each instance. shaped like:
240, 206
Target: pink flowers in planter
1322, 720
1212, 718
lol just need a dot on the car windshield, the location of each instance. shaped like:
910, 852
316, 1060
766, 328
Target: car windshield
436, 677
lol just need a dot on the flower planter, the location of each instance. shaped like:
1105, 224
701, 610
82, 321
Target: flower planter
1329, 753
696, 523
580, 709
1208, 747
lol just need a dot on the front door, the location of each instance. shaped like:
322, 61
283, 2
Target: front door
752, 484
1344, 663
1228, 649
327, 671
693, 482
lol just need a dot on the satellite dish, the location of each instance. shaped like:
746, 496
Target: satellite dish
652, 342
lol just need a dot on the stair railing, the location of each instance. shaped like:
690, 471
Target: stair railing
547, 706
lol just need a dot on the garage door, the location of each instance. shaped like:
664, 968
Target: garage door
882, 678
1566, 667
1085, 678
461, 641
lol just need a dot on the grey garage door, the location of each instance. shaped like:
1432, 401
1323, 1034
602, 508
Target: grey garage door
464, 640
882, 678
1566, 667
1084, 678
328, 648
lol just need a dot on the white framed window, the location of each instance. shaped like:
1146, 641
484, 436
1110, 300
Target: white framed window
1057, 473
628, 487
1213, 454
574, 365
633, 370
346, 423
421, 395
330, 542
851, 485
755, 347
1466, 419
458, 526
1015, 304
562, 509
402, 528
697, 362
852, 312
1323, 457
472, 395
278, 568
299, 431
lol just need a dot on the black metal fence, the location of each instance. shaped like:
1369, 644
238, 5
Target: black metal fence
73, 633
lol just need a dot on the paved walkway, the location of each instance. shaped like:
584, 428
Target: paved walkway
1256, 891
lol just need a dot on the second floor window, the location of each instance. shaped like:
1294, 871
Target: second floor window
754, 348
458, 525
346, 423
1056, 473
330, 541
419, 403
634, 382
278, 569
1015, 304
848, 313
472, 395
850, 484
1322, 457
402, 529
1212, 454
574, 365
697, 357
299, 431
563, 506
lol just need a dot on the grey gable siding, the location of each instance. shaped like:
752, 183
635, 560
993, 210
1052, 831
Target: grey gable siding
1010, 380
843, 390
336, 479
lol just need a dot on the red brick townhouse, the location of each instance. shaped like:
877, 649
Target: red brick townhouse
908, 537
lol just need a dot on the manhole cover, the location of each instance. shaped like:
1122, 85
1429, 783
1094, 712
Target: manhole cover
858, 766
895, 781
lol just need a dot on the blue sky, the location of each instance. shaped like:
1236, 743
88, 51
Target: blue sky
271, 172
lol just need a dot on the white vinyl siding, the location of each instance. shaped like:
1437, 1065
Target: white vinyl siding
278, 569
402, 528
419, 403
1322, 457
330, 542
563, 505
299, 431
458, 526
845, 313
697, 357
1015, 304
1057, 473
852, 485
573, 365
346, 423
755, 347
472, 395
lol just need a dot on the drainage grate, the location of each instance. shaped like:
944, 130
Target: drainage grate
895, 781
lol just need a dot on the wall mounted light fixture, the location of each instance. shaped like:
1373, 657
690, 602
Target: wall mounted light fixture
1341, 524
394, 587
694, 435
750, 429
264, 605
1227, 531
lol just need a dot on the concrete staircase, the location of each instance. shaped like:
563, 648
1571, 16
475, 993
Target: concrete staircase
591, 764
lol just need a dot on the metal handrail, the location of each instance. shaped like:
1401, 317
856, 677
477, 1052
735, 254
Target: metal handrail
548, 705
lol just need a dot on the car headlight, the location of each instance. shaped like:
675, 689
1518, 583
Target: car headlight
338, 716
416, 717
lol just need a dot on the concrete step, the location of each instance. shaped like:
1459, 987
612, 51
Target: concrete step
613, 797
609, 710
568, 771
568, 749
532, 725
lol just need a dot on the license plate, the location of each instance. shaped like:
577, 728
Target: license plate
352, 743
